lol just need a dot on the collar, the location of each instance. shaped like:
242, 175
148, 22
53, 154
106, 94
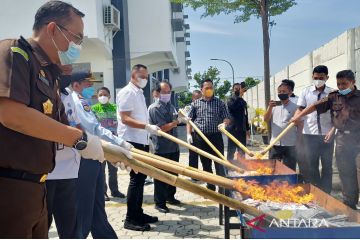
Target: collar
204, 100
39, 53
327, 90
135, 88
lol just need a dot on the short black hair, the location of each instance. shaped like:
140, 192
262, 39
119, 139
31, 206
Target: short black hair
289, 82
285, 85
105, 89
138, 67
321, 69
206, 80
236, 84
348, 74
196, 92
163, 81
155, 89
54, 11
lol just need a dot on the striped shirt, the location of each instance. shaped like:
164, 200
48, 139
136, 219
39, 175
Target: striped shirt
207, 115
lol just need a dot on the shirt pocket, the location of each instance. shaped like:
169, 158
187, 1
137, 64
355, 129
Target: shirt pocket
45, 89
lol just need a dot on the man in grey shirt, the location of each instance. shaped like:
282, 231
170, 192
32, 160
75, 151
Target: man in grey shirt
280, 116
164, 115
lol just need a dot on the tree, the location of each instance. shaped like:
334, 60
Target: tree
244, 10
251, 82
221, 88
184, 99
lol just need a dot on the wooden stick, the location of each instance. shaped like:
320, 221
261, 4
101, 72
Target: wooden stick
201, 152
204, 137
237, 142
114, 155
208, 178
263, 152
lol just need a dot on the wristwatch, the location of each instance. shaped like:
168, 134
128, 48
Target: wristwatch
81, 143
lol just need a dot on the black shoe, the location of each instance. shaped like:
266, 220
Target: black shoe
173, 201
162, 209
107, 198
136, 226
149, 219
148, 181
118, 194
211, 187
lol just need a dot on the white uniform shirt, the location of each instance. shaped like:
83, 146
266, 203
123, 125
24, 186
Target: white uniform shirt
67, 159
307, 97
131, 99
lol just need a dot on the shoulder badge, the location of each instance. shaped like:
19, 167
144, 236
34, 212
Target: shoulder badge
48, 107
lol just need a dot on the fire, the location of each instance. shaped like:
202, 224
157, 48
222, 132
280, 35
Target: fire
254, 167
264, 171
275, 191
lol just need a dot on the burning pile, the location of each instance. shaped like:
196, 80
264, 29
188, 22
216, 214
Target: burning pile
275, 191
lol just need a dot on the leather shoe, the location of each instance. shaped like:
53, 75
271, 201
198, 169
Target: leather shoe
173, 201
118, 194
149, 219
106, 197
136, 226
162, 209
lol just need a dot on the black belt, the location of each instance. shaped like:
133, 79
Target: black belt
22, 175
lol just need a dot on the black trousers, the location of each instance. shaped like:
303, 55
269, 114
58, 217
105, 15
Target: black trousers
285, 153
135, 192
113, 181
217, 141
164, 191
316, 150
348, 162
232, 147
61, 204
193, 157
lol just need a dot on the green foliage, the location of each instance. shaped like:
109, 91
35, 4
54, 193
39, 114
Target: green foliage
243, 9
251, 82
184, 99
221, 88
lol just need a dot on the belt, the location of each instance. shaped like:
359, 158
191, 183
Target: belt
22, 175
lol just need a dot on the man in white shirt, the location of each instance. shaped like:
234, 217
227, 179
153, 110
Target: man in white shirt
134, 127
317, 128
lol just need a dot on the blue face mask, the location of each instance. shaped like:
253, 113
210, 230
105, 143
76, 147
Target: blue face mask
87, 93
71, 55
345, 91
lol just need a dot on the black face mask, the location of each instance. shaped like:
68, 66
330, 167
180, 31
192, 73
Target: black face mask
64, 82
283, 96
237, 93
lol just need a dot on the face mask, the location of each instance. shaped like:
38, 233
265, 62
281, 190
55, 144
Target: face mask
71, 55
283, 96
319, 83
165, 97
345, 91
209, 93
156, 99
88, 92
142, 82
103, 99
237, 93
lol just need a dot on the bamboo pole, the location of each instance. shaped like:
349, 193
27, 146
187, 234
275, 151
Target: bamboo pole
204, 137
201, 152
182, 170
237, 142
114, 155
265, 150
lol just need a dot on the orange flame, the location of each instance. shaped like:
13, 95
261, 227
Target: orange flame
275, 191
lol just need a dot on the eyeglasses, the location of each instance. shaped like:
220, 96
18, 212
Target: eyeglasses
78, 39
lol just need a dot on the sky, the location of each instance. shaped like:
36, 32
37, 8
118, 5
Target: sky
303, 28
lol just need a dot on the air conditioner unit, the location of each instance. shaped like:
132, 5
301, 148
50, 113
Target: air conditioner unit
112, 17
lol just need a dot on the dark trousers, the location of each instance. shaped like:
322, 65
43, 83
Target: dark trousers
23, 209
113, 181
193, 157
61, 203
317, 150
287, 154
217, 141
164, 191
91, 215
135, 192
232, 147
348, 162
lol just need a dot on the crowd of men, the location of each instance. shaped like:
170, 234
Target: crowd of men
52, 163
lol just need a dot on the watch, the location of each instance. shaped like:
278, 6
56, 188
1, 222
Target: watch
81, 143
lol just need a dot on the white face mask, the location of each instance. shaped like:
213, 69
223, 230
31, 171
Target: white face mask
142, 82
319, 83
103, 99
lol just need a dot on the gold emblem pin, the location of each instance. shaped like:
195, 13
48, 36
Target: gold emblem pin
48, 107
